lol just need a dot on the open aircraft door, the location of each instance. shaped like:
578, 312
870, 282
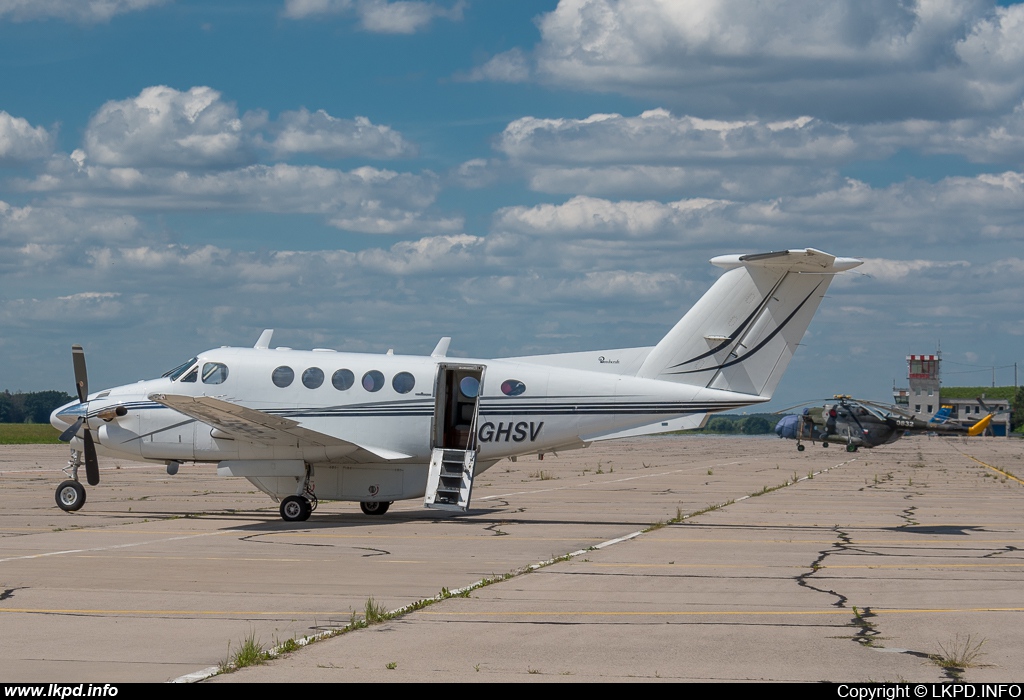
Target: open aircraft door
457, 392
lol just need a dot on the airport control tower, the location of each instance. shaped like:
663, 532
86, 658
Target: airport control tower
923, 373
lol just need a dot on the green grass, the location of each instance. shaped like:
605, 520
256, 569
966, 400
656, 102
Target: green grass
973, 392
28, 434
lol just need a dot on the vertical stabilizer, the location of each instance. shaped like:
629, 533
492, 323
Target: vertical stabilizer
741, 335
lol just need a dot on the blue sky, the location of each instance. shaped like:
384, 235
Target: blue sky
525, 176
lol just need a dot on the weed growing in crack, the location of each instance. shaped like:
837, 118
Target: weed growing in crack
959, 654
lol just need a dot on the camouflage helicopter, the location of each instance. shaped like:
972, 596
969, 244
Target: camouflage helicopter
856, 423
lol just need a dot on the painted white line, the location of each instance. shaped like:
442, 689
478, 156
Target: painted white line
117, 546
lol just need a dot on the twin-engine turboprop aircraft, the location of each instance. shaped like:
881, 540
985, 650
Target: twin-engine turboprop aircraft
303, 425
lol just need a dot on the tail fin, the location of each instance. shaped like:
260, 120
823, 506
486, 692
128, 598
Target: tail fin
741, 335
941, 416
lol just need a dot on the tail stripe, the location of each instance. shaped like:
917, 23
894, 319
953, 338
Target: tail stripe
758, 346
736, 333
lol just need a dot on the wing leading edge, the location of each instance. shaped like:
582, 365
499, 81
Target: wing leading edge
243, 423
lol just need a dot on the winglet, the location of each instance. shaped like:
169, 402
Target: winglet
441, 349
264, 342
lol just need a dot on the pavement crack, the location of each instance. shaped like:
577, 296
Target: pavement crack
1005, 550
8, 593
374, 552
841, 545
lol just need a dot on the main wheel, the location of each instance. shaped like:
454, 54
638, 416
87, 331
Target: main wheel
295, 508
824, 444
799, 448
851, 448
70, 495
375, 507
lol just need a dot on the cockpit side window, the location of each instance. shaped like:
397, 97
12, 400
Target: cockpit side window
173, 374
214, 373
191, 376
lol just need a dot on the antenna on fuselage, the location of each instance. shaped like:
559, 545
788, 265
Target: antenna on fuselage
264, 342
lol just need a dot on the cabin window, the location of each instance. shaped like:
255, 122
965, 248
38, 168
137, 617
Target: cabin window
343, 379
283, 376
403, 382
373, 380
214, 373
313, 377
470, 387
512, 387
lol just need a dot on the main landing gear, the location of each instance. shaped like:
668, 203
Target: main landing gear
296, 508
375, 507
300, 506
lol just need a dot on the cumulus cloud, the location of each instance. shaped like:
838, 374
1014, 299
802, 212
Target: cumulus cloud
319, 133
847, 59
365, 199
167, 149
20, 141
656, 136
86, 11
915, 212
508, 67
379, 16
164, 127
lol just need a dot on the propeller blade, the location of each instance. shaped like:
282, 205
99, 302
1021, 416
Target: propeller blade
92, 465
81, 376
72, 430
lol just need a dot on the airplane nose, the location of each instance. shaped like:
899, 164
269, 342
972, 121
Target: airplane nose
67, 414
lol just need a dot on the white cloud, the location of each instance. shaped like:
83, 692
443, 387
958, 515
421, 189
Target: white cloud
75, 10
164, 127
365, 199
846, 59
656, 136
379, 16
319, 133
20, 141
171, 150
511, 66
592, 217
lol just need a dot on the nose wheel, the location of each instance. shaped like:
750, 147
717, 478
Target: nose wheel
70, 495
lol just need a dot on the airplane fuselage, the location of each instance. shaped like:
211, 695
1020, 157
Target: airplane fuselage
387, 404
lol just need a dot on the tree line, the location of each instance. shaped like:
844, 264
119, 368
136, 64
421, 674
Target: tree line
30, 407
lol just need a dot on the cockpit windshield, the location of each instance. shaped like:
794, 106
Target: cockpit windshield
179, 370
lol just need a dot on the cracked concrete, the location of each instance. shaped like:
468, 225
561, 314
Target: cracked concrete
834, 577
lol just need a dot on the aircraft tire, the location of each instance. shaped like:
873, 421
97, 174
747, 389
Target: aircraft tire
851, 448
824, 444
295, 508
70, 495
799, 448
374, 507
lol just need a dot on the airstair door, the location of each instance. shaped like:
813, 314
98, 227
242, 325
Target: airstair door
454, 440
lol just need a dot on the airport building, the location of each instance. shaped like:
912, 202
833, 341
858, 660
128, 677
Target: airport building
925, 397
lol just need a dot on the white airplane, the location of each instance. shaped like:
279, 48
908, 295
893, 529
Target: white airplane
302, 425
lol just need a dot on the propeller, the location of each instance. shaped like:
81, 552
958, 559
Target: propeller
92, 465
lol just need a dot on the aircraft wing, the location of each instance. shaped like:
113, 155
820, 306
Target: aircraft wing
250, 424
